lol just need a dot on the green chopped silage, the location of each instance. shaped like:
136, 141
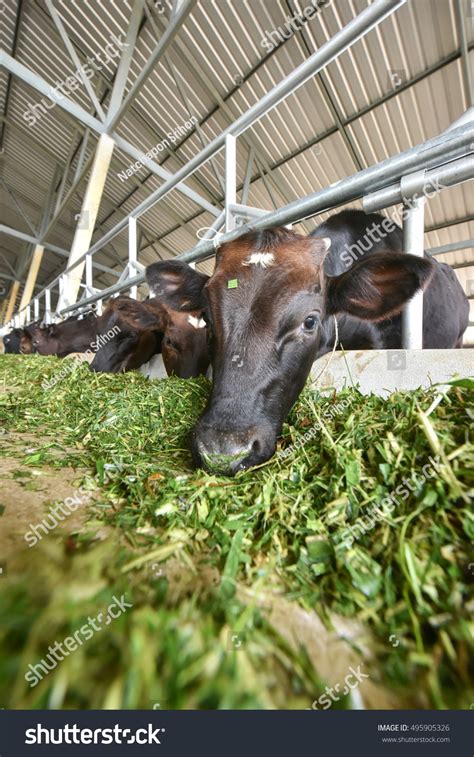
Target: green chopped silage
279, 530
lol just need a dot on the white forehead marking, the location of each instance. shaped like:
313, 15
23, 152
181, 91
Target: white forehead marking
264, 259
198, 323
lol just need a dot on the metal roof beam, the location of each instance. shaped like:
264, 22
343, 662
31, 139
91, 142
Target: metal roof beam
7, 277
330, 100
41, 85
125, 60
52, 247
184, 98
20, 128
63, 181
172, 29
18, 206
463, 265
7, 263
82, 154
446, 224
143, 119
465, 63
453, 247
73, 55
188, 60
48, 206
386, 9
18, 18
79, 114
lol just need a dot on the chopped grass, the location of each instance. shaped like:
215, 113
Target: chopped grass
189, 548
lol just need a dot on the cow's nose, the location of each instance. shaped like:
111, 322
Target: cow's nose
227, 453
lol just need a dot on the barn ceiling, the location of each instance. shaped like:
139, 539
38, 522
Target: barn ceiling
405, 82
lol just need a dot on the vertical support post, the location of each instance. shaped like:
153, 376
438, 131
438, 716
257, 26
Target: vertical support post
28, 314
31, 280
132, 252
12, 300
47, 306
230, 180
89, 275
413, 242
248, 175
87, 219
36, 309
2, 311
60, 287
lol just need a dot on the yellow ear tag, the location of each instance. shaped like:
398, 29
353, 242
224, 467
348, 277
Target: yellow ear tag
232, 284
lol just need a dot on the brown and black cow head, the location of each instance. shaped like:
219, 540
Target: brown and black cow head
12, 342
74, 334
19, 341
44, 339
177, 289
268, 305
164, 323
127, 336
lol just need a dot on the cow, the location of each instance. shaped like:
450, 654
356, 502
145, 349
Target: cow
72, 335
354, 235
11, 341
18, 341
269, 307
146, 328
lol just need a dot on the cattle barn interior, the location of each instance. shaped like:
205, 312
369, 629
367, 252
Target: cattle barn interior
177, 179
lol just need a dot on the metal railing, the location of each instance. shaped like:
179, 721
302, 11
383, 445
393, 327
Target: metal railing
354, 187
441, 162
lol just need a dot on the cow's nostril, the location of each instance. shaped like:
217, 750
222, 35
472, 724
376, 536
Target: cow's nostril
226, 453
256, 446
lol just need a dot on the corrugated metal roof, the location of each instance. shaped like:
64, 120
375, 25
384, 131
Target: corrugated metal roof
397, 87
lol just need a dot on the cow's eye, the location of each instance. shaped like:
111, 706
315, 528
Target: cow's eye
310, 323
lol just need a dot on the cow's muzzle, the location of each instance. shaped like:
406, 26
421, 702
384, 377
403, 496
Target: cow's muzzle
228, 452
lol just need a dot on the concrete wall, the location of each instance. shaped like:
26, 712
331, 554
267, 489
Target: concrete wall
384, 371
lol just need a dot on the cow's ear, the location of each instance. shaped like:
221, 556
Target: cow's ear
155, 316
176, 284
377, 286
139, 315
320, 247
